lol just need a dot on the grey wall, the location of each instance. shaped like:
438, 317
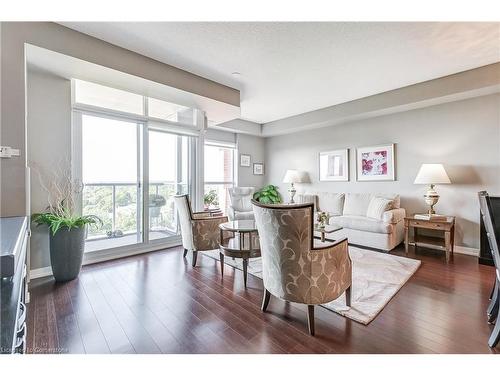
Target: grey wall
255, 147
463, 135
49, 145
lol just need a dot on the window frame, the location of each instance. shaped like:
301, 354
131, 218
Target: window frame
145, 123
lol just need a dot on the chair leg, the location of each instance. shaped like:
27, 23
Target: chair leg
495, 335
245, 271
265, 300
221, 257
195, 255
310, 319
185, 253
492, 310
348, 296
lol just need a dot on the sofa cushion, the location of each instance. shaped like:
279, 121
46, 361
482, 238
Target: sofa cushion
362, 223
377, 207
356, 203
333, 203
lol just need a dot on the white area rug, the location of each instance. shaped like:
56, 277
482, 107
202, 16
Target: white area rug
377, 277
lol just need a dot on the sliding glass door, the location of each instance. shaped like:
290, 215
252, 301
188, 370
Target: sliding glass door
111, 180
168, 159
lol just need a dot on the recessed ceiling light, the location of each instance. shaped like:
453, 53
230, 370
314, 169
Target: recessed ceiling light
236, 74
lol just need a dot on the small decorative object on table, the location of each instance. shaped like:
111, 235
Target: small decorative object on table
432, 174
211, 200
323, 218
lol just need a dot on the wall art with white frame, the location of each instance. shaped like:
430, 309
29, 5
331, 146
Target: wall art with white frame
375, 163
245, 160
334, 165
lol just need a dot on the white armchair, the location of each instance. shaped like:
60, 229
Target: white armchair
241, 203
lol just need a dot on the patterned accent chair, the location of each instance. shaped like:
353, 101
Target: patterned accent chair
199, 230
295, 268
241, 203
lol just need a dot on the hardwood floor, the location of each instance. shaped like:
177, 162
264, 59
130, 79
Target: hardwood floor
157, 303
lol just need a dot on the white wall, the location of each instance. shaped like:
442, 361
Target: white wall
464, 135
49, 145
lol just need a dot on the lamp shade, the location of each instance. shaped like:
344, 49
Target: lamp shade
293, 176
432, 174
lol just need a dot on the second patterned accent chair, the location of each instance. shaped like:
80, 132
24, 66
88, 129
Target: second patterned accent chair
199, 230
295, 268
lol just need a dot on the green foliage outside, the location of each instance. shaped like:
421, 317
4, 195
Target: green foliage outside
98, 201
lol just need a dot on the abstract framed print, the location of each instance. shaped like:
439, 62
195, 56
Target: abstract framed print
334, 165
375, 163
244, 160
258, 168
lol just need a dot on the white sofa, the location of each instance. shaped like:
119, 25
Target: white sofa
349, 210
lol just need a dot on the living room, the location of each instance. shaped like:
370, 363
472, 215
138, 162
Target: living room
293, 187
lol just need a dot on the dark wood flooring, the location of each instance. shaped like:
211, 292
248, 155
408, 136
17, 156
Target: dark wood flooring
158, 303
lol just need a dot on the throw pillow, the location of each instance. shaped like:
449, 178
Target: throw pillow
377, 207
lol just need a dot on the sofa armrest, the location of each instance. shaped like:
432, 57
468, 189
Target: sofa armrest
394, 216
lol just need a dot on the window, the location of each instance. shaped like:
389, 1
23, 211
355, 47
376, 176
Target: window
131, 164
171, 112
219, 175
92, 94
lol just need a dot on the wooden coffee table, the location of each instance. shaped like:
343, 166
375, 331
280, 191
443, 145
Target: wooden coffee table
243, 243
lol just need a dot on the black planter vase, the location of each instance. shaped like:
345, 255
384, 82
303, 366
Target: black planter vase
66, 253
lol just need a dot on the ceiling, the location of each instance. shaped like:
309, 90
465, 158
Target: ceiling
291, 68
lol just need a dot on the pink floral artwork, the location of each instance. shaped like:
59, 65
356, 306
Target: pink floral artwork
374, 163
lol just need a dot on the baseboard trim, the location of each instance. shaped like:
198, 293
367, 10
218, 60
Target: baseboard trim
98, 257
40, 272
466, 250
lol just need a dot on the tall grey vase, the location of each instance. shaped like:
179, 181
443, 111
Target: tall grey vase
66, 253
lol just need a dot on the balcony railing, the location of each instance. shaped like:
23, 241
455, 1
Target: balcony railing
119, 205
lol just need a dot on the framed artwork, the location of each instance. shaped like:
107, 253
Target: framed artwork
244, 160
258, 168
334, 165
375, 163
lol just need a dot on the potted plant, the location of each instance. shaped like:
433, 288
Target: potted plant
67, 229
268, 195
211, 200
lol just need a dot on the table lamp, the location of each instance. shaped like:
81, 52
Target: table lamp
432, 174
293, 176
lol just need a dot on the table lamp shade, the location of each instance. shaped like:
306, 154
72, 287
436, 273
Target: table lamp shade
294, 176
432, 174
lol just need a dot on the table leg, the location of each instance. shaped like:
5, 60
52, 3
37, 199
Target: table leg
322, 236
447, 244
406, 238
415, 237
245, 267
221, 257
